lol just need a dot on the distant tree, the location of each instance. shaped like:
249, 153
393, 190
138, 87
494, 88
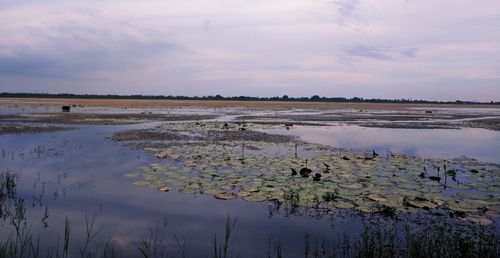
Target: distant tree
315, 98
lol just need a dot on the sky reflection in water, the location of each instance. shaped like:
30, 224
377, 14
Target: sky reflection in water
480, 144
83, 174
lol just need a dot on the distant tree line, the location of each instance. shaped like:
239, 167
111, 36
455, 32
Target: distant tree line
315, 98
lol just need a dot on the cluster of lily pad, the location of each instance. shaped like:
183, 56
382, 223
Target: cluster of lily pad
264, 171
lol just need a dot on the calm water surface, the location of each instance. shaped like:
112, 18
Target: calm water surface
78, 173
475, 143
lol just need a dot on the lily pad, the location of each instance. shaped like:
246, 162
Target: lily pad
483, 220
218, 167
420, 203
164, 189
343, 205
224, 196
376, 198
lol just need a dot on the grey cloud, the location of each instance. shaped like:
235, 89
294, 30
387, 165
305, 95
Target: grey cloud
346, 11
345, 7
71, 49
410, 52
368, 52
379, 52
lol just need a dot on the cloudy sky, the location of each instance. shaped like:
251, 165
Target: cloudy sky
419, 49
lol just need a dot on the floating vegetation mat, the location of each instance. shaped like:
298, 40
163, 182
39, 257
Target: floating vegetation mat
300, 174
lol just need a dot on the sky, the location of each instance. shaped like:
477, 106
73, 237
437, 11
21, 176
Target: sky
413, 49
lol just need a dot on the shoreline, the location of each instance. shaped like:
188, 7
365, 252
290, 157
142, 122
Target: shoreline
152, 103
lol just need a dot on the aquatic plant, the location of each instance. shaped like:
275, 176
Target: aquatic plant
292, 197
152, 244
221, 249
216, 168
379, 238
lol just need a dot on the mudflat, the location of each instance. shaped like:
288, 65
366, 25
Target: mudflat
381, 115
134, 103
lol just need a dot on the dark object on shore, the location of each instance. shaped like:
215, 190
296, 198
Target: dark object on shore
345, 158
317, 177
438, 177
451, 172
225, 126
242, 129
294, 172
422, 175
474, 171
305, 172
288, 124
66, 108
428, 111
435, 178
374, 153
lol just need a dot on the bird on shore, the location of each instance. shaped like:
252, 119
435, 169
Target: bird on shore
294, 172
327, 168
305, 172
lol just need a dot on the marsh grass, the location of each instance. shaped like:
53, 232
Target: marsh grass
221, 248
393, 241
21, 243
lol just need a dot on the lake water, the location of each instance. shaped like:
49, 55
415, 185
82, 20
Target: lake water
81, 173
76, 173
476, 143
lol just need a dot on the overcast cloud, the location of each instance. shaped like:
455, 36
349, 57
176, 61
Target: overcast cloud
425, 49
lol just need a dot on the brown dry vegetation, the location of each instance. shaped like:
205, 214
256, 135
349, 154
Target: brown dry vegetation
29, 129
98, 119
